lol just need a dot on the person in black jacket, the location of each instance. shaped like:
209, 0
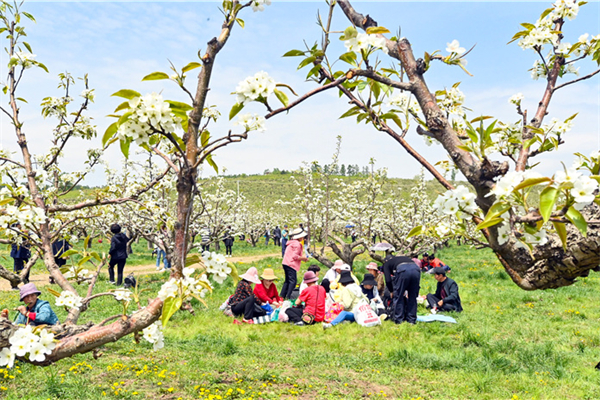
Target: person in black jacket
403, 280
446, 296
228, 241
117, 254
20, 254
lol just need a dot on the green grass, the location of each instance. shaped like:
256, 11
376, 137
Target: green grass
508, 344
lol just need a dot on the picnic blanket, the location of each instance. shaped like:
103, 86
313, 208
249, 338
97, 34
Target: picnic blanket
435, 317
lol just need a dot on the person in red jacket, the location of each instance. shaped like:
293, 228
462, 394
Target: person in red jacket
313, 298
266, 291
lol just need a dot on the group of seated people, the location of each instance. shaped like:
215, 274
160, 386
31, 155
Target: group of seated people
391, 290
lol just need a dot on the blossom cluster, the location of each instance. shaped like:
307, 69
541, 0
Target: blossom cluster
150, 114
405, 102
122, 294
154, 335
68, 299
252, 122
259, 5
454, 47
216, 264
185, 286
456, 202
364, 41
22, 58
516, 99
256, 87
507, 183
75, 273
24, 341
452, 101
25, 215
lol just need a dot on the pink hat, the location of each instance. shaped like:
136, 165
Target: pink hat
28, 289
372, 265
251, 275
310, 277
337, 264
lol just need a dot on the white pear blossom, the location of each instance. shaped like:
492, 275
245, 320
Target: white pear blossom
68, 299
570, 175
37, 353
7, 358
454, 47
256, 87
362, 41
252, 122
168, 289
516, 99
122, 294
584, 38
405, 102
503, 233
154, 334
259, 5
539, 238
583, 190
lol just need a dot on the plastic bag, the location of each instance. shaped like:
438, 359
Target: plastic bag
365, 316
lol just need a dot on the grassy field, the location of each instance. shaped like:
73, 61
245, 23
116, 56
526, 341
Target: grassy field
508, 344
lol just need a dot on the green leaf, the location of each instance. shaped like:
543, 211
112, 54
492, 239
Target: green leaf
204, 136
22, 99
416, 231
127, 94
96, 256
125, 147
294, 53
561, 230
547, 200
306, 61
528, 26
177, 105
532, 182
28, 16
350, 112
84, 260
241, 22
69, 253
489, 222
577, 219
53, 292
372, 30
349, 57
124, 105
190, 66
237, 107
282, 97
6, 201
212, 163
234, 272
314, 71
110, 132
192, 259
42, 66
27, 46
155, 76
349, 33
86, 242
496, 210
170, 307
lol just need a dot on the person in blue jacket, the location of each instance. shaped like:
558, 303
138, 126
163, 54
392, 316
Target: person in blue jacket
35, 311
117, 254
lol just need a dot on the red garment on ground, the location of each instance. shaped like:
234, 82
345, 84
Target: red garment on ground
267, 296
314, 301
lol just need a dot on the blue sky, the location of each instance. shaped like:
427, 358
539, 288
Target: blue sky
117, 43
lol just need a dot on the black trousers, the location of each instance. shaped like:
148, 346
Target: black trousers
248, 308
406, 279
19, 265
295, 314
120, 267
289, 284
206, 247
283, 244
432, 302
228, 249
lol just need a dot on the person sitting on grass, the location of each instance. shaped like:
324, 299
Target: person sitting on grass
374, 270
313, 298
446, 296
350, 294
332, 274
266, 291
344, 268
243, 300
35, 311
432, 262
314, 268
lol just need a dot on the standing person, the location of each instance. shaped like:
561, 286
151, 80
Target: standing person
284, 238
160, 252
267, 235
313, 298
59, 248
446, 296
277, 236
228, 241
205, 239
117, 254
244, 302
35, 311
291, 262
20, 253
405, 283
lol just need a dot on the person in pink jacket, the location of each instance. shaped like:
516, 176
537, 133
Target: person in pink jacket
294, 255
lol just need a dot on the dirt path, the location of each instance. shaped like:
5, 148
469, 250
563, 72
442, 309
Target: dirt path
43, 279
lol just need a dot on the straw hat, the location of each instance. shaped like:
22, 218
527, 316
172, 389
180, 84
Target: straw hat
251, 275
268, 275
297, 233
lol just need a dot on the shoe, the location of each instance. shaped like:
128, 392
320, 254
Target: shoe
236, 322
112, 282
300, 323
326, 325
383, 317
248, 321
434, 310
161, 270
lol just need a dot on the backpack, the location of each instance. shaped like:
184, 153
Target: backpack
130, 282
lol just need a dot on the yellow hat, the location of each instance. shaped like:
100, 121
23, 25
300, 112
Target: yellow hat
268, 275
